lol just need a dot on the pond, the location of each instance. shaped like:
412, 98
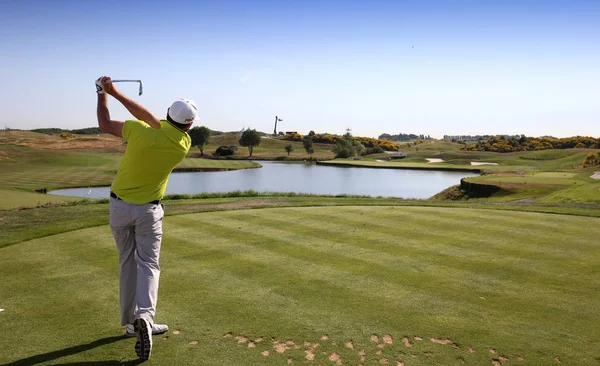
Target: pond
304, 178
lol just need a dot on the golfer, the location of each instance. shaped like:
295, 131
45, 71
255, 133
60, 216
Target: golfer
154, 148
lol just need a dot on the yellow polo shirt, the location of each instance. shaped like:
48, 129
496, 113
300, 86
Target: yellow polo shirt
150, 157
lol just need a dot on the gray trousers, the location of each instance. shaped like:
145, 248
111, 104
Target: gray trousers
137, 230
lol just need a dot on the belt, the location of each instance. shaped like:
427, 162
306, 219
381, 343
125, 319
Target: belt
113, 195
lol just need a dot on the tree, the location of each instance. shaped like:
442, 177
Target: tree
307, 142
250, 139
200, 137
289, 148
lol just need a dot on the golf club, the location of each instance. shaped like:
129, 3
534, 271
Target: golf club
129, 81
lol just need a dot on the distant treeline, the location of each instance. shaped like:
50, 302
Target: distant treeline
326, 138
455, 138
89, 131
524, 143
404, 137
58, 131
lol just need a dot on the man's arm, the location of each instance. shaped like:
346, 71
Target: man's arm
136, 109
106, 125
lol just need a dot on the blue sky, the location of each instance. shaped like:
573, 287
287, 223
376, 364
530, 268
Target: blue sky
405, 66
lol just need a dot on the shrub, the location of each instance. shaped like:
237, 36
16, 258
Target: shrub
374, 150
293, 137
225, 151
343, 153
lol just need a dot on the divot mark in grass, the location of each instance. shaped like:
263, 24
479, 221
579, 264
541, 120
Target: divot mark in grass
384, 361
427, 353
349, 345
374, 338
251, 345
470, 350
280, 347
461, 360
176, 332
503, 358
493, 351
496, 362
381, 345
417, 338
521, 358
441, 341
165, 338
226, 335
406, 342
258, 340
378, 352
241, 339
290, 360
387, 339
193, 342
265, 353
310, 356
335, 357
556, 359
324, 337
399, 363
455, 345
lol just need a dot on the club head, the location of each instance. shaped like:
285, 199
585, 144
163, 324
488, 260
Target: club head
141, 87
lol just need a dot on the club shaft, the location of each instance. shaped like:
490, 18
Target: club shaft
124, 81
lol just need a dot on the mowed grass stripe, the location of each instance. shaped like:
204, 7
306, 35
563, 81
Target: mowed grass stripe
447, 225
245, 284
449, 274
342, 291
469, 219
265, 251
524, 307
451, 286
456, 244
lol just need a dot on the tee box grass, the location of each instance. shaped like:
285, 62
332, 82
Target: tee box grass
356, 284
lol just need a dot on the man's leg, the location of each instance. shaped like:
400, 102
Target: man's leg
124, 234
148, 236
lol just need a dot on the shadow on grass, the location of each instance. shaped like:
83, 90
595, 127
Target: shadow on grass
50, 356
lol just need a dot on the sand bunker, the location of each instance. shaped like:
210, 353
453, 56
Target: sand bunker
434, 160
482, 163
596, 175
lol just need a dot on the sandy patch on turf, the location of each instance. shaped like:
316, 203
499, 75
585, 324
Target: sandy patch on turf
596, 175
380, 161
482, 163
434, 160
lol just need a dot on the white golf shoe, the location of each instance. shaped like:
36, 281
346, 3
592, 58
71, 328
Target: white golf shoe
143, 331
156, 329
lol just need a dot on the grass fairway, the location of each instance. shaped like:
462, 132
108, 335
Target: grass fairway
422, 285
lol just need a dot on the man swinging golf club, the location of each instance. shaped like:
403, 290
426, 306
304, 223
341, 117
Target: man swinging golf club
154, 148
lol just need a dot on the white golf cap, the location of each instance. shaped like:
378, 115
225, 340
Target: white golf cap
183, 111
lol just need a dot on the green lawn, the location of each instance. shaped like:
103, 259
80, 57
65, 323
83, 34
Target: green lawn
423, 285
